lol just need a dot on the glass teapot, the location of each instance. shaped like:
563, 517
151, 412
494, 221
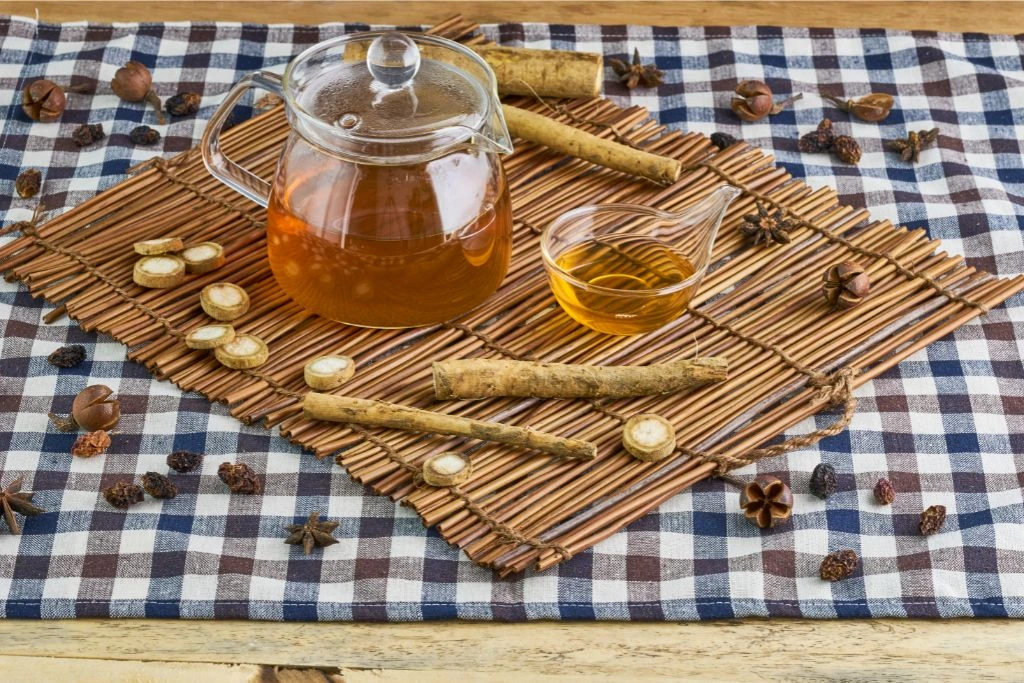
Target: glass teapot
389, 206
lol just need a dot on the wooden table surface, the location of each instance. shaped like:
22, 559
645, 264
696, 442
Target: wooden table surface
113, 650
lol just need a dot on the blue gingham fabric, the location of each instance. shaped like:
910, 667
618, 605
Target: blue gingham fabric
946, 426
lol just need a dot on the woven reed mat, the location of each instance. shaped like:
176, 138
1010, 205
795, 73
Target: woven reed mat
790, 355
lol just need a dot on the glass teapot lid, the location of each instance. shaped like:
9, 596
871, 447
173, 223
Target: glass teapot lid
391, 97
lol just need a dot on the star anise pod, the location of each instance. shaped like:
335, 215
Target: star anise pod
909, 148
767, 501
768, 227
312, 534
632, 75
13, 499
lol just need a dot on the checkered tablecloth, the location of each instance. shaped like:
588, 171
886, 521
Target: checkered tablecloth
945, 426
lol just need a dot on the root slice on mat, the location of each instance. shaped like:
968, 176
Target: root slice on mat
162, 245
243, 352
649, 437
159, 272
209, 336
328, 372
203, 257
580, 144
486, 378
224, 301
446, 469
381, 414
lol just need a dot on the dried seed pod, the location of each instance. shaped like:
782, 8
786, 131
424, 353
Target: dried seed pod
845, 284
754, 101
932, 520
209, 336
649, 437
183, 104
328, 372
87, 133
133, 83
159, 272
847, 149
722, 140
63, 423
123, 494
874, 107
67, 356
158, 486
224, 301
446, 469
239, 477
884, 492
184, 461
818, 140
823, 481
838, 565
144, 135
203, 257
94, 409
28, 183
93, 443
43, 101
243, 352
767, 501
163, 245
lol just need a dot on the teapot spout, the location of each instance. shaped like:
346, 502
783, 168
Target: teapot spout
492, 134
714, 206
696, 226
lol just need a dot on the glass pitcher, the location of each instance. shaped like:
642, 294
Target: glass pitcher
389, 206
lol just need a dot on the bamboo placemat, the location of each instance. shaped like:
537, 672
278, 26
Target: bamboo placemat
790, 355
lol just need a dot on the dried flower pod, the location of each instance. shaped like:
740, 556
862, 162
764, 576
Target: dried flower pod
819, 140
28, 183
144, 135
767, 501
133, 83
67, 356
649, 437
838, 565
754, 101
722, 140
159, 272
203, 257
446, 469
94, 409
93, 443
123, 494
158, 486
328, 372
209, 336
224, 301
244, 352
910, 148
311, 534
932, 520
43, 101
823, 480
183, 104
847, 149
13, 499
157, 247
239, 477
884, 492
769, 227
632, 75
845, 284
63, 423
184, 461
874, 107
87, 133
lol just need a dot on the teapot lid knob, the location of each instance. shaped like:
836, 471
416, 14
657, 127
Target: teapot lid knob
393, 59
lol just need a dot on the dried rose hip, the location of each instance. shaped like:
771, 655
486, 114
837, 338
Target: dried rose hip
239, 477
123, 494
158, 486
67, 356
184, 461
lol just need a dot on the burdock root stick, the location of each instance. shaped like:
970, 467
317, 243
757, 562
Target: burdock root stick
582, 145
484, 378
380, 414
544, 73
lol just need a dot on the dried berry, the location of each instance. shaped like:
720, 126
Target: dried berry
767, 501
184, 461
910, 148
133, 83
932, 520
123, 494
158, 486
846, 148
43, 101
874, 107
87, 133
823, 480
144, 135
819, 140
94, 409
884, 492
844, 285
67, 356
239, 477
183, 104
28, 182
63, 423
93, 443
632, 75
838, 565
722, 140
13, 499
754, 101
312, 534
768, 227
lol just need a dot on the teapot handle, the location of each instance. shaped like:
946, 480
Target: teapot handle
221, 167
